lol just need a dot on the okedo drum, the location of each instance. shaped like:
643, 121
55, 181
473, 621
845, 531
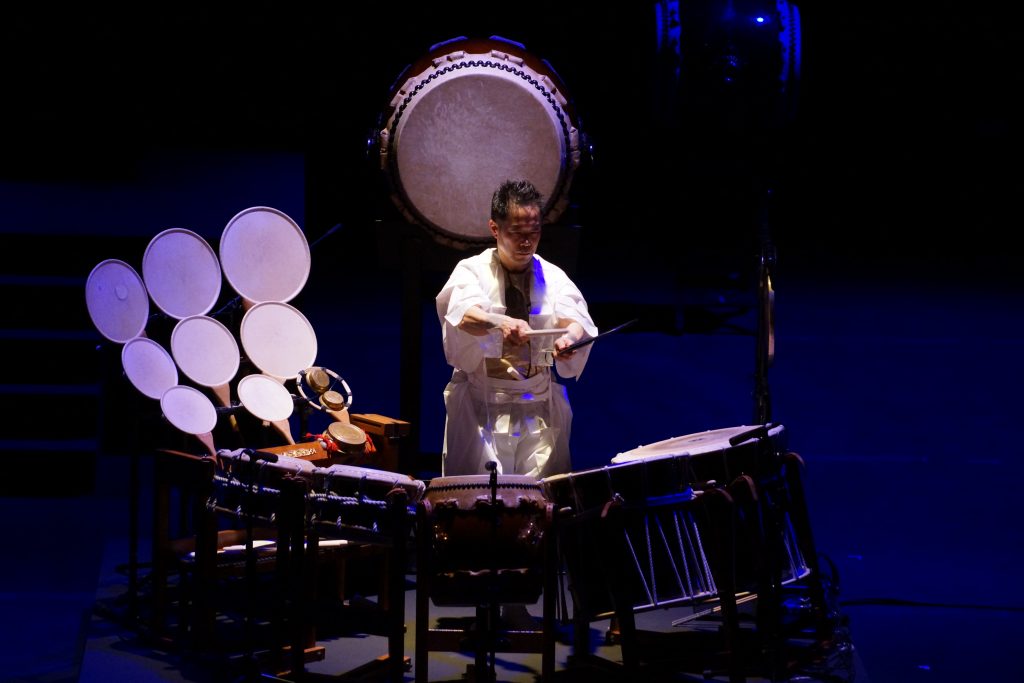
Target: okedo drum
485, 542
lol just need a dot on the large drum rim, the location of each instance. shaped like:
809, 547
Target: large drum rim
773, 432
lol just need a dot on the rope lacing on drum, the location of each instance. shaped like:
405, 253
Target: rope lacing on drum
257, 489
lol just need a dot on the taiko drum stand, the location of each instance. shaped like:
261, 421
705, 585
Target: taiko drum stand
485, 590
488, 615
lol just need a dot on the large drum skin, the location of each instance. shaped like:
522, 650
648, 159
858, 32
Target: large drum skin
469, 115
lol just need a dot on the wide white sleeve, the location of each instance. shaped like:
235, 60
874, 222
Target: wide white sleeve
569, 303
464, 289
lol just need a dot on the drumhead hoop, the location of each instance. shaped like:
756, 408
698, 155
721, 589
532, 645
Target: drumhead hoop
117, 300
182, 273
472, 114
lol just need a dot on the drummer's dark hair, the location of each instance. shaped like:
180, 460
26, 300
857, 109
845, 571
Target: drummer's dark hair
518, 192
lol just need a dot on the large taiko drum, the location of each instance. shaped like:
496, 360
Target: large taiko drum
665, 560
467, 116
665, 524
485, 545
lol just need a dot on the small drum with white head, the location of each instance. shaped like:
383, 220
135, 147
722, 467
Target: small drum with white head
148, 366
269, 400
207, 353
278, 339
190, 411
117, 300
182, 273
265, 255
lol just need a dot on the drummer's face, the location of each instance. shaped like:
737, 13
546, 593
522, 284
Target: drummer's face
517, 236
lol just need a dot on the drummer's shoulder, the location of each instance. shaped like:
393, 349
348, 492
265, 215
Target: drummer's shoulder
483, 259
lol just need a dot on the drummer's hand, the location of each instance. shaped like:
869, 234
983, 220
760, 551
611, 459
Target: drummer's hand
574, 332
514, 331
479, 322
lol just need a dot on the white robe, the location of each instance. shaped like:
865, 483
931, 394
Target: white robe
523, 425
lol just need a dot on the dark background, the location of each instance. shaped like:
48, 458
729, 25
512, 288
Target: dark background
902, 120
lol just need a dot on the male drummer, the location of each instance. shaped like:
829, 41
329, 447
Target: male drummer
502, 402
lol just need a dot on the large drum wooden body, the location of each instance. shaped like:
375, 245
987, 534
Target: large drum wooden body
485, 543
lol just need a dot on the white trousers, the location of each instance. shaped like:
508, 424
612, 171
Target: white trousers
524, 426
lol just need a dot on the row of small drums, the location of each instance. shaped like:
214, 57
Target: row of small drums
668, 562
648, 473
265, 257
